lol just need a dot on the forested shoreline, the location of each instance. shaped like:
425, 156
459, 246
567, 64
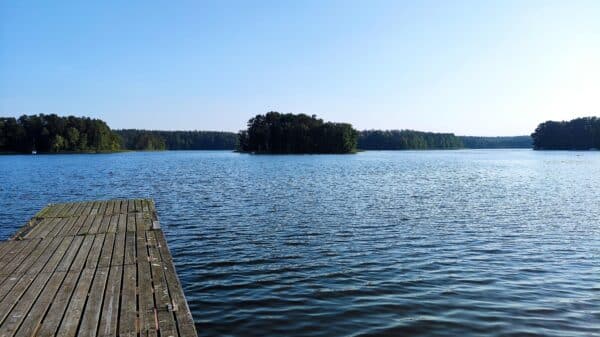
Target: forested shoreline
419, 140
510, 142
406, 140
270, 133
577, 134
134, 139
54, 134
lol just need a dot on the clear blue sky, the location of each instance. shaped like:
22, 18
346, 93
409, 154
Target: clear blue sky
469, 67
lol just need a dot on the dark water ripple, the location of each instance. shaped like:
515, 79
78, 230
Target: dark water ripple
478, 243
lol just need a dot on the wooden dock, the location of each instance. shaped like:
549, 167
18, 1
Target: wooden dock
92, 269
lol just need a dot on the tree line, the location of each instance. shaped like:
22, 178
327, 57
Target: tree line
51, 133
275, 132
133, 139
577, 134
406, 140
418, 140
513, 142
271, 133
55, 134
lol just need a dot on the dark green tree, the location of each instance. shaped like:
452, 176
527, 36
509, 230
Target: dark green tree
180, 140
406, 140
51, 133
577, 134
275, 132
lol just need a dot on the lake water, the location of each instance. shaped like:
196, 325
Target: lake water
430, 243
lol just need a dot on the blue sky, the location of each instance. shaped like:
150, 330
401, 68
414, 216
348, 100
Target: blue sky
469, 67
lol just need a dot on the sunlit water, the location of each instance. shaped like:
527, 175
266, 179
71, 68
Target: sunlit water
432, 243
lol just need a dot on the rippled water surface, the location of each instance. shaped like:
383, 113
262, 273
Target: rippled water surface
432, 243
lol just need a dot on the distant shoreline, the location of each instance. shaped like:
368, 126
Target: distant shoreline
275, 154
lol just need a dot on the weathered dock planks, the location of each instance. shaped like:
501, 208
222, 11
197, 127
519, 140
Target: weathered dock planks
95, 269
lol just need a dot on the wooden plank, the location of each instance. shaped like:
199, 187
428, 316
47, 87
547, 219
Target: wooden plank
31, 322
82, 254
82, 209
21, 262
185, 321
21, 308
17, 286
57, 227
110, 308
59, 256
115, 208
110, 206
48, 227
85, 208
31, 314
64, 225
79, 221
93, 308
8, 247
16, 254
55, 246
5, 246
130, 247
67, 210
94, 255
114, 221
131, 222
104, 224
65, 264
127, 317
139, 222
66, 230
70, 322
102, 208
91, 316
85, 227
119, 251
122, 224
9, 280
148, 324
107, 250
60, 209
95, 224
50, 323
75, 210
130, 206
20, 296
165, 317
119, 207
72, 211
94, 207
39, 228
138, 205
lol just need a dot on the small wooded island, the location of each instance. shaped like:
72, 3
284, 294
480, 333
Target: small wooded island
289, 133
